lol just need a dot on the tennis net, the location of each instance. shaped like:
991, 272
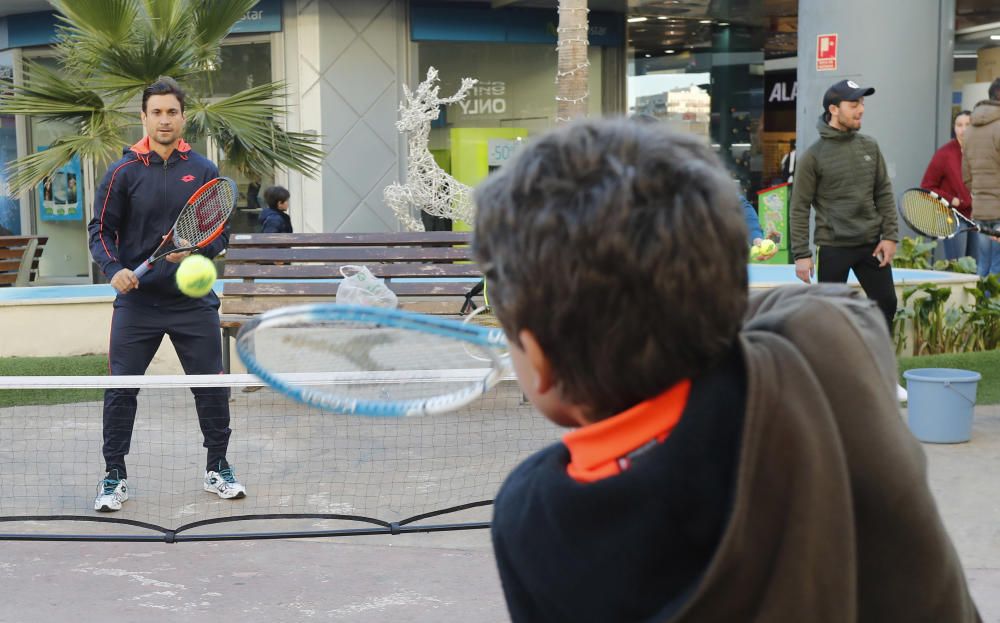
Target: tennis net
307, 472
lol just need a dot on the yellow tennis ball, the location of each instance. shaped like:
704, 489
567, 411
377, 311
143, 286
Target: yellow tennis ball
196, 276
755, 251
767, 247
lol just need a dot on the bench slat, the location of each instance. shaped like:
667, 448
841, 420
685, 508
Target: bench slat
237, 311
329, 289
348, 254
332, 271
421, 239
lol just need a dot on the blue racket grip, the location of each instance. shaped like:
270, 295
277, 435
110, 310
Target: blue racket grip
142, 270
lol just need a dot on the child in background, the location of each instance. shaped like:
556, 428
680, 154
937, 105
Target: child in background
274, 218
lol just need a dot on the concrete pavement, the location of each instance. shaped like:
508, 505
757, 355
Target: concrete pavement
441, 578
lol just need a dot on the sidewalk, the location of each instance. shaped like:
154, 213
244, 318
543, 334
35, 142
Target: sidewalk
965, 479
423, 578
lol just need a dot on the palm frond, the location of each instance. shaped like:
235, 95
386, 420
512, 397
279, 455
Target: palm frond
27, 172
244, 125
109, 50
109, 21
213, 21
46, 93
167, 19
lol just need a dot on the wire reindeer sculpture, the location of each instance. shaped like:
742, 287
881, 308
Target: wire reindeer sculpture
428, 188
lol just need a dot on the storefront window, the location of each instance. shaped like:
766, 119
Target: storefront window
514, 99
243, 64
703, 75
10, 207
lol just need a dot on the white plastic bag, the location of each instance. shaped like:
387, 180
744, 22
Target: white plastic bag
361, 287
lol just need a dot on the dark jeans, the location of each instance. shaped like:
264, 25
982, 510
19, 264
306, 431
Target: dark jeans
836, 262
963, 244
136, 333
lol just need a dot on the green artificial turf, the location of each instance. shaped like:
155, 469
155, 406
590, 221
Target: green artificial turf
986, 363
84, 365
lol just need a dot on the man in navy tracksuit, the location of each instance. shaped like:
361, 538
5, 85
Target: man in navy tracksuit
136, 203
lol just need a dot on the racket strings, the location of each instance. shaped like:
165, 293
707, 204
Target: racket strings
202, 218
927, 215
358, 361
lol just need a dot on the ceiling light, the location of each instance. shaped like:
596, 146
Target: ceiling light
705, 21
670, 51
995, 37
633, 20
662, 17
723, 23
649, 56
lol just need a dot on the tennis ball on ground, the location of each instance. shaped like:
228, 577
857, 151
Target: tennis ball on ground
196, 276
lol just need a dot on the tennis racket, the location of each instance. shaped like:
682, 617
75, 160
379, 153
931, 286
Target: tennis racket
373, 361
929, 214
202, 219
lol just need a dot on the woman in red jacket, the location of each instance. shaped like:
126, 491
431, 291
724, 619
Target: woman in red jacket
944, 176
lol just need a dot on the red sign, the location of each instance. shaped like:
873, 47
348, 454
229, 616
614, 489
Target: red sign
826, 52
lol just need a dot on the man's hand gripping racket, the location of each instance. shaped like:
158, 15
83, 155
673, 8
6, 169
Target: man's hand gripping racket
202, 219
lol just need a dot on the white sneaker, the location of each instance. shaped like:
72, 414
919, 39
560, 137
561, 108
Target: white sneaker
223, 483
900, 393
110, 494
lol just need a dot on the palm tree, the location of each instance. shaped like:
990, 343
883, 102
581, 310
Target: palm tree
573, 65
109, 51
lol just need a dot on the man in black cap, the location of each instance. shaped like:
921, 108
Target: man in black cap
843, 176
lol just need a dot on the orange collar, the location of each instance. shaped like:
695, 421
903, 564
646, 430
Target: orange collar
606, 448
142, 147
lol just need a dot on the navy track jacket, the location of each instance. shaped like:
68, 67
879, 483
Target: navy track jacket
136, 203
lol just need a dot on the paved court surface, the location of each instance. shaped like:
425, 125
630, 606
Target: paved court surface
437, 578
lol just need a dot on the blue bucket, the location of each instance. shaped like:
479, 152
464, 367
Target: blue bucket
941, 402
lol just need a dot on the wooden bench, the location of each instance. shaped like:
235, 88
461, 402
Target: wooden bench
19, 257
430, 272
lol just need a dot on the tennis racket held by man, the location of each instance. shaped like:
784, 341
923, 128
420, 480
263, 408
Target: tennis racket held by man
202, 219
929, 214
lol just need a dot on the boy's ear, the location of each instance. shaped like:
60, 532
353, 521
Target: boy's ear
544, 380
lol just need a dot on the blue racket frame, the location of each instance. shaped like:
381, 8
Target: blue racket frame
491, 342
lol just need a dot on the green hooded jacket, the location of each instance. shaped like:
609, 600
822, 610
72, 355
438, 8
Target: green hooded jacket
843, 176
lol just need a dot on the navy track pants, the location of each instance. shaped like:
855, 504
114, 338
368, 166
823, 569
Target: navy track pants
136, 333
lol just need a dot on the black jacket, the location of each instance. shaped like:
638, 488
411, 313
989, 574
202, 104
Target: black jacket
273, 221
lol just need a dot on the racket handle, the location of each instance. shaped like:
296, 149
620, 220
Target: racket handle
141, 270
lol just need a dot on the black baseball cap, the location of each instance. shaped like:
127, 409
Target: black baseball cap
845, 91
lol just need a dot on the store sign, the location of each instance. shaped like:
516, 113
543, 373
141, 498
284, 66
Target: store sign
500, 150
265, 16
486, 98
782, 89
826, 52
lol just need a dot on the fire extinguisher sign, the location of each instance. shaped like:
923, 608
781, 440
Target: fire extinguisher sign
826, 52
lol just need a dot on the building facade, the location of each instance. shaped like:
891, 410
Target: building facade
747, 75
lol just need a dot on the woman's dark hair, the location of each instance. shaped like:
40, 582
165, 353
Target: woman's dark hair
164, 85
966, 113
621, 246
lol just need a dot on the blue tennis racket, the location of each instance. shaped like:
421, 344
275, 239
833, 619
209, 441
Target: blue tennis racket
373, 361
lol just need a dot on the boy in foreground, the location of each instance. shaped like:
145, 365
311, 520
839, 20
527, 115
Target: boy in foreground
730, 460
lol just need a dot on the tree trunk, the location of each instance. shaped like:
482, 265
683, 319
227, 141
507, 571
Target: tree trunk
573, 66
